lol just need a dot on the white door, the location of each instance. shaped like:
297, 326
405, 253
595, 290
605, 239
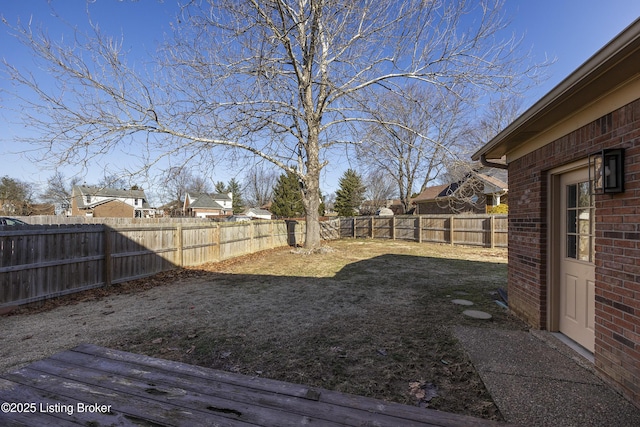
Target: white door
577, 270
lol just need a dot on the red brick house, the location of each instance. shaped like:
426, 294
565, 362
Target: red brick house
574, 250
477, 193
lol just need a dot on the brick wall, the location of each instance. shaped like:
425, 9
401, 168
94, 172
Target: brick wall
617, 337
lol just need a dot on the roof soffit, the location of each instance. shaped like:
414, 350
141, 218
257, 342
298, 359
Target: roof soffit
611, 67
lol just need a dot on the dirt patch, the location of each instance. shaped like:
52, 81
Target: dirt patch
369, 317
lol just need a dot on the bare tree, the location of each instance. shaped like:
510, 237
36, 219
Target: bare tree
412, 136
198, 184
284, 80
500, 113
471, 178
259, 185
58, 190
113, 181
380, 187
179, 180
16, 197
176, 183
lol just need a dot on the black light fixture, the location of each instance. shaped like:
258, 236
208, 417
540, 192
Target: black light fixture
606, 171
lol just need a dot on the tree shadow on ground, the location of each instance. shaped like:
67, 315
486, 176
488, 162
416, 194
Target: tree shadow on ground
373, 328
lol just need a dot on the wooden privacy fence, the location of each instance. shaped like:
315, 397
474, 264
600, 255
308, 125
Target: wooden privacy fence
43, 261
477, 230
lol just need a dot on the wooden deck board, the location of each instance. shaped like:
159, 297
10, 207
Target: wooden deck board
142, 390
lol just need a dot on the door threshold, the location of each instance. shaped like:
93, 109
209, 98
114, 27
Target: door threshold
574, 346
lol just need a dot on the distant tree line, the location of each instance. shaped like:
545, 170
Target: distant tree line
281, 194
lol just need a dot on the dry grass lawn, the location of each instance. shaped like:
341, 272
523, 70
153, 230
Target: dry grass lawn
370, 317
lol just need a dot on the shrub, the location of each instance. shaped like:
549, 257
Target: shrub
500, 209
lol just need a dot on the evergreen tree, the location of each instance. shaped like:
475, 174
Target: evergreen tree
287, 197
322, 209
235, 188
350, 195
220, 188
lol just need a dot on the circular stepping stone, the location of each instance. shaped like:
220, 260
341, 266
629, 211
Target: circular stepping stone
475, 314
461, 302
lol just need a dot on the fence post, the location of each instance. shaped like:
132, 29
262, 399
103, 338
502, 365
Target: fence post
272, 243
179, 245
419, 229
393, 228
252, 233
451, 230
108, 249
371, 222
353, 218
492, 232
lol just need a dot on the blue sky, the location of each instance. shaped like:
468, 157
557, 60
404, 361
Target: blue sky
569, 30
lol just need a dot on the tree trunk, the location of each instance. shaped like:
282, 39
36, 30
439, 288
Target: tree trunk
311, 190
312, 237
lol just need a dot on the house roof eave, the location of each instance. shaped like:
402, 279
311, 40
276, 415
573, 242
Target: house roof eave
607, 69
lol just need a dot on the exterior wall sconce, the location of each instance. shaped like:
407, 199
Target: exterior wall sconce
606, 171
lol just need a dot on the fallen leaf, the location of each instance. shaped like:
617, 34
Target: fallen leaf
423, 391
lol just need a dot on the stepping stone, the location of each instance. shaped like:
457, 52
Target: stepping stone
475, 314
461, 302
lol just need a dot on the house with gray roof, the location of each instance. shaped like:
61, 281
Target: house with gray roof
203, 205
258, 213
101, 202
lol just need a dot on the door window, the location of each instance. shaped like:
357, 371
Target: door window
580, 223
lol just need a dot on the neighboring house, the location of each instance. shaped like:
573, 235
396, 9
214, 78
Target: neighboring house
172, 209
435, 200
370, 207
238, 218
100, 202
479, 191
397, 208
42, 209
384, 212
203, 205
574, 252
495, 187
257, 213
